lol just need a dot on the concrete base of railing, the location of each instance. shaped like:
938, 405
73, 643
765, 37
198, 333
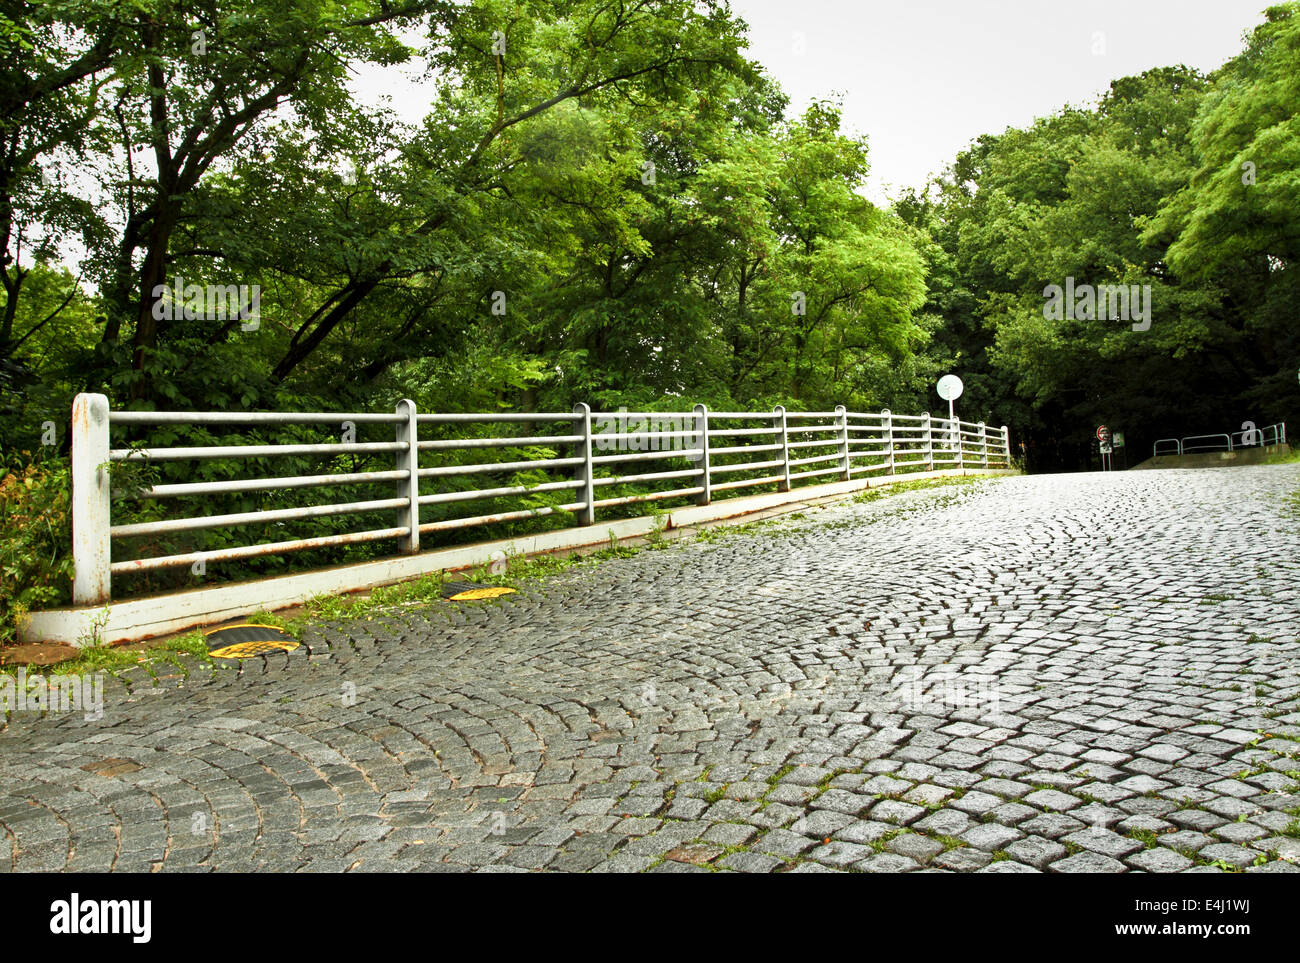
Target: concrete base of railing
1214, 459
131, 620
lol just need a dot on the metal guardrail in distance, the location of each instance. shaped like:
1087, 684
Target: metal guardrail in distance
422, 473
1178, 447
1224, 441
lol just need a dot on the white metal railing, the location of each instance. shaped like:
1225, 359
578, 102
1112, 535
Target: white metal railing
1178, 446
1225, 441
580, 453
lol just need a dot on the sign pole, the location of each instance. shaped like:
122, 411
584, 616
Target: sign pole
1104, 448
950, 388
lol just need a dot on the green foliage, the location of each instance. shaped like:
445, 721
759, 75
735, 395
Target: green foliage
1145, 188
35, 538
603, 203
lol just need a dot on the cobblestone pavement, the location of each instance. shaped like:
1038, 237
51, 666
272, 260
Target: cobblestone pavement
1053, 673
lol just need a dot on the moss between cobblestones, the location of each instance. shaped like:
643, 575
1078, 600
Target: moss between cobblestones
1146, 837
825, 782
715, 795
777, 776
881, 841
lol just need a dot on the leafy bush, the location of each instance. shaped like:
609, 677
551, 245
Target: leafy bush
35, 537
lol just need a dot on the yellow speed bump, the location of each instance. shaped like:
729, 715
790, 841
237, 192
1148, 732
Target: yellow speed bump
248, 641
468, 592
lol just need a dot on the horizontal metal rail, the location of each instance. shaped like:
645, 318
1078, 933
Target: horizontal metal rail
270, 484
1213, 446
253, 551
743, 449
647, 476
1178, 446
648, 497
451, 523
748, 466
497, 467
249, 418
741, 432
443, 498
748, 482
458, 443
519, 417
251, 518
251, 451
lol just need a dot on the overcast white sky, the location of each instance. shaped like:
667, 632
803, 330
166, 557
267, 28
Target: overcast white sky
923, 78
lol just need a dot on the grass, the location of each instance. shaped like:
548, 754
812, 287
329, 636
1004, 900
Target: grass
883, 840
884, 491
1144, 836
114, 659
715, 795
780, 774
952, 491
1281, 458
766, 526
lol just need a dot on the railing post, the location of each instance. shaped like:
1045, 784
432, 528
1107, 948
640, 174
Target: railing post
408, 460
585, 472
702, 430
887, 424
929, 444
91, 501
783, 432
956, 434
984, 446
846, 466
1006, 447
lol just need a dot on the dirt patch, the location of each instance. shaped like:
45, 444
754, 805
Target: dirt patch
113, 767
37, 653
699, 855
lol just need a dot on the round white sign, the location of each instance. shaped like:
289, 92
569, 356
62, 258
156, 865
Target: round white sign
950, 387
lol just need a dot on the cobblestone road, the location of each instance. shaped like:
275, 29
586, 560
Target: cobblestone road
1055, 673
